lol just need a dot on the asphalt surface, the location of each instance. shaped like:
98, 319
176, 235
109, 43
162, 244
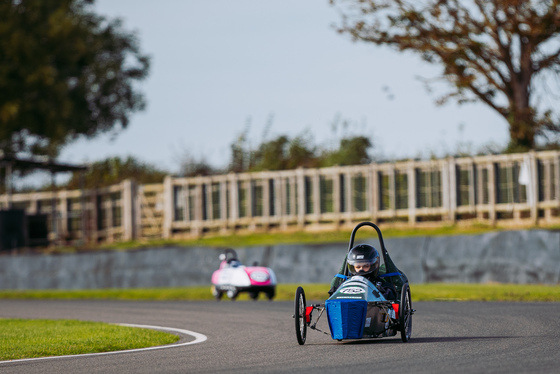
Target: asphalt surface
259, 337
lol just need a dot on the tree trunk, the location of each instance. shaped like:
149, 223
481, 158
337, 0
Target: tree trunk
522, 126
521, 130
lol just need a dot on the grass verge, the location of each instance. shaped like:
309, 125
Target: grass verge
247, 239
42, 338
315, 292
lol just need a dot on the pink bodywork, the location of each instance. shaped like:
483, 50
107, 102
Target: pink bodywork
249, 270
252, 269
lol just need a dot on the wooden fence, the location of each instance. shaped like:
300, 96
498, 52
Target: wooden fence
520, 189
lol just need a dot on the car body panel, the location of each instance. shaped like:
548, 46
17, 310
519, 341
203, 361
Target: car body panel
232, 278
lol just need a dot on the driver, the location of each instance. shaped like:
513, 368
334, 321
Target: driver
234, 263
364, 260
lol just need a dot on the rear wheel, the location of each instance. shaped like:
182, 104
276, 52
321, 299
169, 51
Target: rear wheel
405, 314
217, 294
299, 316
254, 295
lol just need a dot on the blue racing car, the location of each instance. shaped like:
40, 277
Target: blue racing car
370, 297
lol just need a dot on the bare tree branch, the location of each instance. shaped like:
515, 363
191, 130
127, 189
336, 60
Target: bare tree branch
490, 49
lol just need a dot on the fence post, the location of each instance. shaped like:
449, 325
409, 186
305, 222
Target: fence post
138, 228
107, 206
452, 189
129, 211
168, 204
411, 173
348, 187
294, 203
373, 195
392, 191
316, 192
63, 217
472, 187
223, 204
283, 201
266, 200
336, 193
556, 163
279, 198
491, 192
534, 190
234, 199
300, 185
93, 218
199, 207
251, 201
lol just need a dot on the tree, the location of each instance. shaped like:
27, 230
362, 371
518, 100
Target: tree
352, 151
114, 170
492, 51
272, 155
191, 166
280, 153
65, 72
240, 153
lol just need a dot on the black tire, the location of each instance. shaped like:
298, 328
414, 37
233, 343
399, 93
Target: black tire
254, 296
299, 316
405, 314
271, 294
217, 293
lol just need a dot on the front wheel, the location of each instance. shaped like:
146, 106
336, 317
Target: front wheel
299, 316
232, 293
405, 314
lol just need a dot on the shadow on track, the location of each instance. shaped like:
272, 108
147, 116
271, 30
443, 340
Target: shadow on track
435, 339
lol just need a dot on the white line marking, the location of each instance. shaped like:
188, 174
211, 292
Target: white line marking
199, 338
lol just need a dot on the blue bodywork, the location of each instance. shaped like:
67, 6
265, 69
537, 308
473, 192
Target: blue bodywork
347, 308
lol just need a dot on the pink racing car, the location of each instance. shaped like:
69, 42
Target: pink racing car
232, 278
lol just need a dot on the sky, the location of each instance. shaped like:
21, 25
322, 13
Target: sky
220, 67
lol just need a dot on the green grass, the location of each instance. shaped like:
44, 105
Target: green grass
295, 237
42, 338
304, 237
486, 292
316, 292
451, 292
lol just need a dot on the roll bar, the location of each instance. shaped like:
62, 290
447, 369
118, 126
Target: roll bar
379, 235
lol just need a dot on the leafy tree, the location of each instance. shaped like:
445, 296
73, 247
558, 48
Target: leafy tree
352, 151
65, 72
240, 154
283, 153
192, 166
114, 170
272, 155
277, 154
492, 51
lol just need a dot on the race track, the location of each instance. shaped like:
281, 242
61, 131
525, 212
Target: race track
259, 337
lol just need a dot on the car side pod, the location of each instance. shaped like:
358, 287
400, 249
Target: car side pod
346, 318
354, 311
